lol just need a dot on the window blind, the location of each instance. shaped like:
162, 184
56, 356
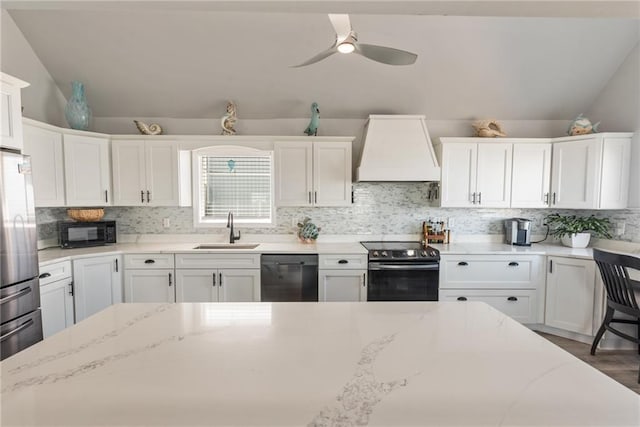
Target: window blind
241, 185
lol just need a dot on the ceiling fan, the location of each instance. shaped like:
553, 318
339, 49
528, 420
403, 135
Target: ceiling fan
347, 42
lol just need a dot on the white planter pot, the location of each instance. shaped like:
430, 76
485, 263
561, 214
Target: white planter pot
576, 240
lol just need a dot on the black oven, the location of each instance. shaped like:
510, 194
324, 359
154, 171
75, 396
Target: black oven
402, 271
73, 234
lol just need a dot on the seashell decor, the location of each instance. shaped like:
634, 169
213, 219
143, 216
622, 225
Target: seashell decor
152, 129
228, 121
488, 128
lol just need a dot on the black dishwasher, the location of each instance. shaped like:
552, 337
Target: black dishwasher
286, 277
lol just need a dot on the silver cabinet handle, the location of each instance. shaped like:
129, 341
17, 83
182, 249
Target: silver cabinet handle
480, 198
106, 196
142, 196
25, 325
220, 279
315, 196
550, 266
148, 196
554, 197
71, 288
473, 198
116, 264
170, 279
15, 295
309, 197
214, 279
546, 198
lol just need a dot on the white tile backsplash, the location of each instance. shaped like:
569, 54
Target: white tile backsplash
378, 209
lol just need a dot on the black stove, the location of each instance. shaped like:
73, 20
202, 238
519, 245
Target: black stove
401, 251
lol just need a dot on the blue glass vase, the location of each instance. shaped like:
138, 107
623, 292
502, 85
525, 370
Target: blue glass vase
77, 112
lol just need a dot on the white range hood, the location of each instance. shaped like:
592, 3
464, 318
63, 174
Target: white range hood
397, 148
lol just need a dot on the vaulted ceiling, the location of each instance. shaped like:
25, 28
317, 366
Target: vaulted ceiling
186, 61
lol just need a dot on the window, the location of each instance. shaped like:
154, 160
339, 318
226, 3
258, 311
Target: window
233, 179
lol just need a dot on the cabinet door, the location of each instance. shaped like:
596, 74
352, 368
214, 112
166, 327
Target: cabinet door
162, 173
197, 285
293, 174
98, 284
10, 111
332, 174
531, 175
45, 148
570, 294
87, 170
459, 162
614, 187
574, 174
342, 285
129, 184
239, 285
149, 286
56, 304
493, 181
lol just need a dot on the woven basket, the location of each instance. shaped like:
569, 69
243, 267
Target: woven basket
86, 215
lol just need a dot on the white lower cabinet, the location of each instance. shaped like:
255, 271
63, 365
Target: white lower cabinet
571, 293
342, 285
342, 277
56, 297
97, 283
227, 285
149, 278
513, 284
218, 277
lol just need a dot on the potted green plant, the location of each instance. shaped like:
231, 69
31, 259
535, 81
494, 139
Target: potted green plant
575, 231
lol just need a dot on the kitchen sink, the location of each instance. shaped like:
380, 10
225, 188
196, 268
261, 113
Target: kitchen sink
227, 246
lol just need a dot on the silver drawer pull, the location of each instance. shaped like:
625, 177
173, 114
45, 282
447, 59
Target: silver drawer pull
15, 295
25, 325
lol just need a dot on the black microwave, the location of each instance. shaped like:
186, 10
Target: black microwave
73, 234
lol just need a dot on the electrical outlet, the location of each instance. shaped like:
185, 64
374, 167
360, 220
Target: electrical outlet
451, 223
166, 222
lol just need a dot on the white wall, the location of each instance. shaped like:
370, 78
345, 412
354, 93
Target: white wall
42, 100
618, 109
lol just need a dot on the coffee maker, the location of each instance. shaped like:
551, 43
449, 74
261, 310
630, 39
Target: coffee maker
518, 231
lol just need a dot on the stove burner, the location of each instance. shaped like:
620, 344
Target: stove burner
401, 251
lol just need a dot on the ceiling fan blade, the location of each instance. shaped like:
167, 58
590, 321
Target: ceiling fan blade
386, 55
341, 24
319, 57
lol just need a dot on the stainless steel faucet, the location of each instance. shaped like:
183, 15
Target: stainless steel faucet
232, 236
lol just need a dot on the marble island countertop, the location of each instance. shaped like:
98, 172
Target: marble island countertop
383, 364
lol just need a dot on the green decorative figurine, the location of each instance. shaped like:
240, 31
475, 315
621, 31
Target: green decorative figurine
312, 129
308, 231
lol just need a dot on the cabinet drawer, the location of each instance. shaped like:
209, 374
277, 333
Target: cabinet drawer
218, 260
519, 304
490, 272
148, 261
53, 272
347, 262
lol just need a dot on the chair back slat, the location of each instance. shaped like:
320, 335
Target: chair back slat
615, 276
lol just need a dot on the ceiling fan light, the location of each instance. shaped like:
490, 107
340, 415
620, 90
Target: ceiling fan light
346, 47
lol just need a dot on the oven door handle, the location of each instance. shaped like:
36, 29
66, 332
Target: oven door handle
379, 267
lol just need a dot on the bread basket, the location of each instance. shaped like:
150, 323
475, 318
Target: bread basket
85, 215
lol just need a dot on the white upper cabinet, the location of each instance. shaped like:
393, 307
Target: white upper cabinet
145, 173
47, 167
313, 173
475, 173
591, 171
531, 175
87, 169
11, 111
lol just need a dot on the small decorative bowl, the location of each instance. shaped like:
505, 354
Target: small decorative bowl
85, 215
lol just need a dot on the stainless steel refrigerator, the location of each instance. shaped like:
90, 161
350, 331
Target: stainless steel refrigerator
20, 319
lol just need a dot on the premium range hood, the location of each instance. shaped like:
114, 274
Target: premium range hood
397, 148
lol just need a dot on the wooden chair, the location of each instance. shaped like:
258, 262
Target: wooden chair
620, 294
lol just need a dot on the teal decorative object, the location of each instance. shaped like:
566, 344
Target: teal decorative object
581, 126
77, 112
308, 231
231, 164
312, 129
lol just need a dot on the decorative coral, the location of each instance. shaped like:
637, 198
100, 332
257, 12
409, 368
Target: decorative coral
488, 128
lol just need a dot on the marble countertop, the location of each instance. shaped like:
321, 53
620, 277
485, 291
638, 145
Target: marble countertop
52, 255
381, 364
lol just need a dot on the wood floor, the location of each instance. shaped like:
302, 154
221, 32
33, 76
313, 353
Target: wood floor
621, 365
